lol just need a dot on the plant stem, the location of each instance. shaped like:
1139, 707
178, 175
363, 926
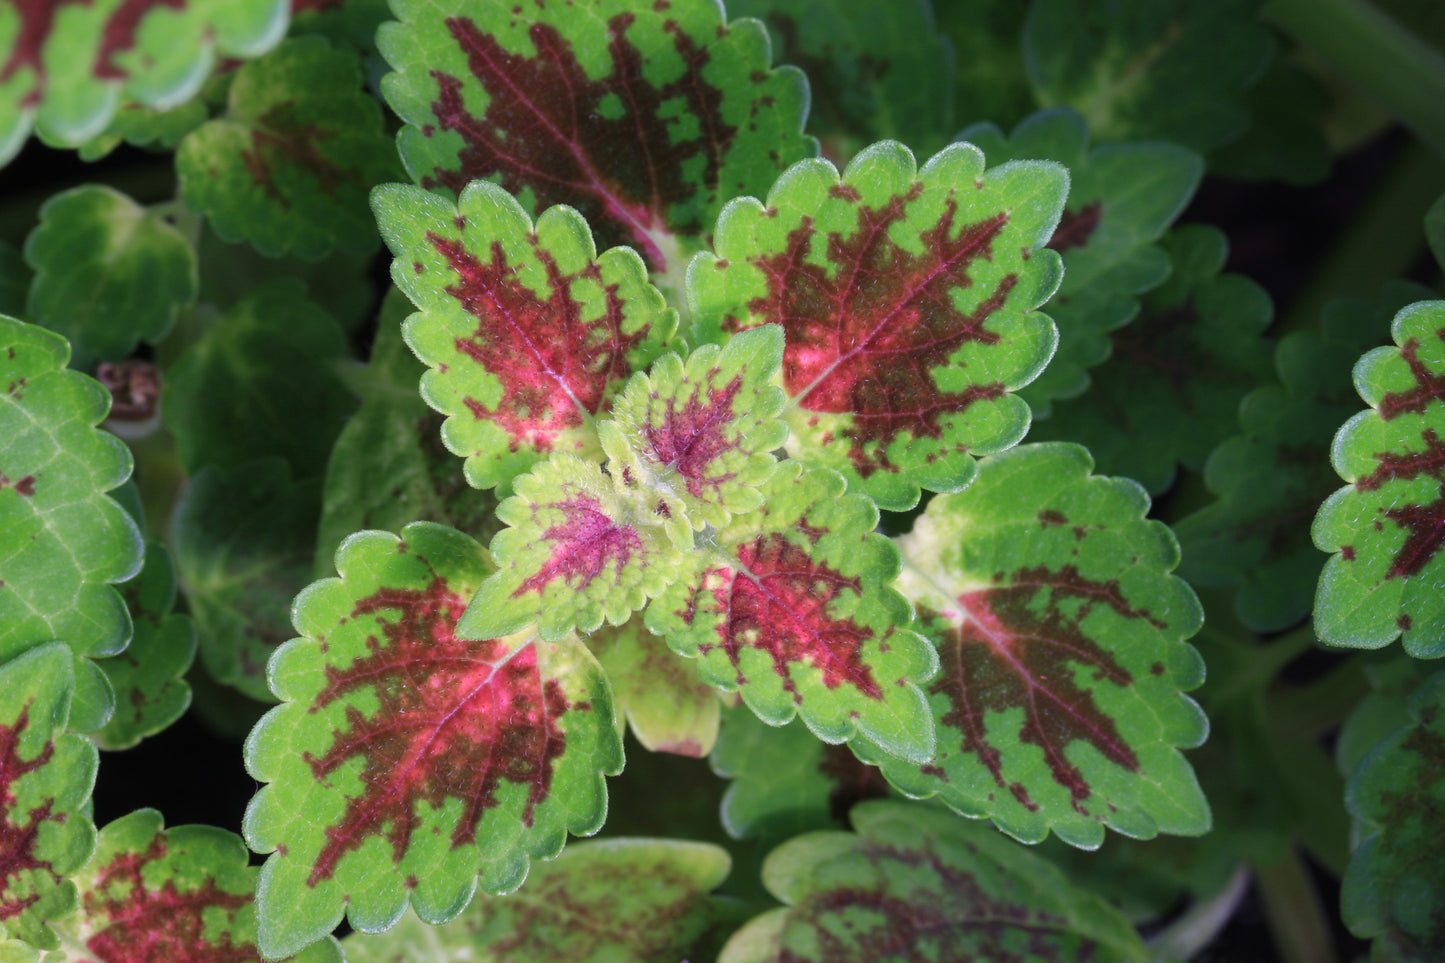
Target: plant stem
1383, 242
1201, 923
1375, 53
1292, 906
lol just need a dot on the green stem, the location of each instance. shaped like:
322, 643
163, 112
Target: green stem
1292, 906
1201, 923
1376, 54
1383, 242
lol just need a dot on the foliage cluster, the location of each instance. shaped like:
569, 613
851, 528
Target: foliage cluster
827, 389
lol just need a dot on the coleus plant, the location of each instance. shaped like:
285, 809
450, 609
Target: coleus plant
799, 419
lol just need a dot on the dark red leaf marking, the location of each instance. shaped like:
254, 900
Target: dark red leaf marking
585, 545
279, 134
25, 486
951, 918
1015, 646
546, 129
779, 604
865, 338
554, 367
119, 35
1076, 227
161, 923
1425, 522
452, 723
1428, 386
1050, 518
19, 841
690, 438
37, 19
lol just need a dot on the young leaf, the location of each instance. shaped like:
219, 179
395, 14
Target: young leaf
261, 382
1171, 390
645, 117
66, 542
1388, 893
182, 895
668, 708
875, 70
1138, 68
388, 466
580, 550
243, 539
790, 605
46, 775
784, 781
906, 298
528, 331
289, 165
1121, 199
65, 64
383, 789
107, 273
1272, 478
1061, 635
919, 884
607, 901
1387, 526
150, 692
699, 436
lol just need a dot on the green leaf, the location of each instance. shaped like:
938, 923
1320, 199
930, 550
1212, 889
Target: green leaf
243, 539
63, 541
1386, 527
150, 692
1061, 631
261, 382
1171, 390
1390, 890
46, 775
1122, 197
668, 707
1286, 139
68, 64
346, 23
696, 439
791, 606
580, 549
608, 901
1270, 479
183, 895
907, 300
786, 782
528, 331
388, 466
875, 70
1138, 68
532, 98
142, 126
289, 166
991, 82
917, 883
383, 790
108, 273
